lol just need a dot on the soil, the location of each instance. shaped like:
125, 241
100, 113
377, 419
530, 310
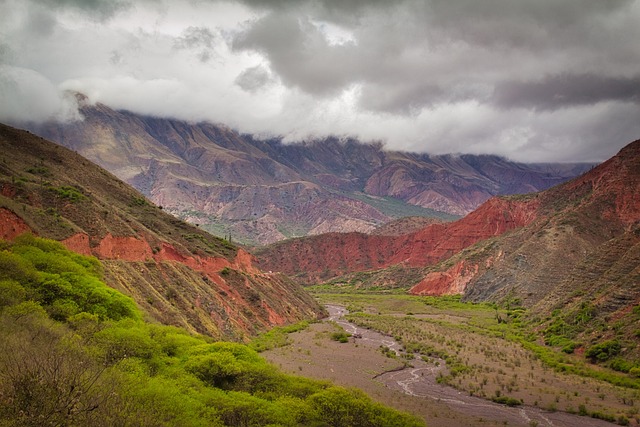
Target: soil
407, 385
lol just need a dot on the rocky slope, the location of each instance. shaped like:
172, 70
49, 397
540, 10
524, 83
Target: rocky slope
263, 191
176, 272
587, 224
577, 266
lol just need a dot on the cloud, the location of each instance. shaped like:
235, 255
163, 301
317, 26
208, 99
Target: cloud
299, 53
566, 90
100, 10
254, 78
200, 39
531, 80
28, 95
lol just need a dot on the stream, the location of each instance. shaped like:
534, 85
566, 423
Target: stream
419, 380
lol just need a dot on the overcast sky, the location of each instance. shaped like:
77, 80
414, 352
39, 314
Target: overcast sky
533, 80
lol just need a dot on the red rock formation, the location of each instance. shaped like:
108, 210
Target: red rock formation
450, 282
11, 225
333, 254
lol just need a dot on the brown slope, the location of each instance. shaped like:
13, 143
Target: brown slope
176, 272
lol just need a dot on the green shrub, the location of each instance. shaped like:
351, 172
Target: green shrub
69, 193
505, 400
603, 351
341, 337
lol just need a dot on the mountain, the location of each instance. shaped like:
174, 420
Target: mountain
263, 191
585, 235
520, 246
570, 254
320, 258
179, 274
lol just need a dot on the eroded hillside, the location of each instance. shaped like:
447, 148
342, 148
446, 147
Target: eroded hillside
176, 272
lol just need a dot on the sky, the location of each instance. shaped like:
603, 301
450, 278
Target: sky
531, 80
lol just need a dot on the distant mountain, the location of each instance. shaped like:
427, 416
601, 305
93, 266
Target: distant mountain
177, 273
263, 191
567, 223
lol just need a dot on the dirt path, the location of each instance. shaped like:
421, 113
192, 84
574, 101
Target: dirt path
413, 389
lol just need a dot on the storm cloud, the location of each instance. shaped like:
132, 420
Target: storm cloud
531, 80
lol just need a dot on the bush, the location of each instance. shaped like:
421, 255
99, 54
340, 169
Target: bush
341, 337
603, 351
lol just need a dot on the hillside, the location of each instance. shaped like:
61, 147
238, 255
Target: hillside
179, 274
78, 353
587, 229
263, 191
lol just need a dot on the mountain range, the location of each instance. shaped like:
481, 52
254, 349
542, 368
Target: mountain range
177, 273
260, 191
570, 254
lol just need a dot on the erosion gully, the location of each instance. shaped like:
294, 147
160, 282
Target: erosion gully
418, 380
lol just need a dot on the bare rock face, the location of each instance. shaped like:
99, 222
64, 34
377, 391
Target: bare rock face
176, 272
264, 191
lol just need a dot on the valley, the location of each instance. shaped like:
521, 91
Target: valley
460, 366
523, 312
319, 213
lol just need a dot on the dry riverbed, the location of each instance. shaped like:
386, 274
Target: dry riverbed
413, 388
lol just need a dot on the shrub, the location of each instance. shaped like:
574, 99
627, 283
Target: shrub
341, 337
603, 351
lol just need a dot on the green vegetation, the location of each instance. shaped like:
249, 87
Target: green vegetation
76, 352
69, 193
341, 337
396, 208
276, 337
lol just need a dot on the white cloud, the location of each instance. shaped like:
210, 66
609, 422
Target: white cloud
27, 94
535, 81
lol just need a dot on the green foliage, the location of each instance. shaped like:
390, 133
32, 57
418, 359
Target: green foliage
75, 352
63, 282
341, 337
69, 193
276, 337
341, 407
603, 351
505, 400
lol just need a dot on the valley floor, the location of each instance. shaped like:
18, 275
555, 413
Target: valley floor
482, 367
